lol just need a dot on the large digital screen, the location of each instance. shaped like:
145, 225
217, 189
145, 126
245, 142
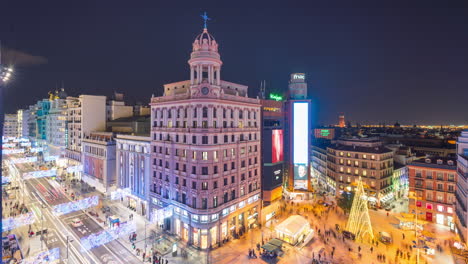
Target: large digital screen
301, 132
276, 145
300, 176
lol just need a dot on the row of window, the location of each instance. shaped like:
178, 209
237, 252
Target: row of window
203, 202
194, 112
438, 175
95, 151
204, 124
204, 139
364, 164
205, 155
439, 186
204, 185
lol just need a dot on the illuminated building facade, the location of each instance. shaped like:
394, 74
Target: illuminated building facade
205, 153
341, 120
98, 158
56, 124
272, 150
134, 170
42, 111
85, 114
432, 184
462, 186
347, 159
23, 116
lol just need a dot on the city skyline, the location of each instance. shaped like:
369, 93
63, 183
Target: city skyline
376, 56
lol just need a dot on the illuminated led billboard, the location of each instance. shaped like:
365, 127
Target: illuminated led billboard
300, 176
276, 145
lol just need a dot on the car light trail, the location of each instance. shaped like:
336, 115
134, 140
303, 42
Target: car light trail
106, 236
67, 208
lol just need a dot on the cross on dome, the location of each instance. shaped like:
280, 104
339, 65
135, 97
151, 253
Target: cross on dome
205, 18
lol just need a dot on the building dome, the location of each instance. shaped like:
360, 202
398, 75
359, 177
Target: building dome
205, 42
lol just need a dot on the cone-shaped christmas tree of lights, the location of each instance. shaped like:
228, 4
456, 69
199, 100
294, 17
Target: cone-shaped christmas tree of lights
359, 221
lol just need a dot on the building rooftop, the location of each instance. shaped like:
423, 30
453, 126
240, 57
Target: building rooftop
376, 150
145, 118
437, 163
397, 165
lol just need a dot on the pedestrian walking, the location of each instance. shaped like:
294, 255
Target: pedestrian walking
144, 255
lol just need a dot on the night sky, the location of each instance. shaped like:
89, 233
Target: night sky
375, 62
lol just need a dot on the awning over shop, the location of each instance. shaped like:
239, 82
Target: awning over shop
273, 245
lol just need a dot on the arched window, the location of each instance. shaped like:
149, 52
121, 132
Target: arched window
214, 112
248, 114
185, 112
205, 112
241, 114
169, 113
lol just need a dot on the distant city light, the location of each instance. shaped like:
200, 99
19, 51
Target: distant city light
14, 222
67, 208
276, 97
39, 174
106, 236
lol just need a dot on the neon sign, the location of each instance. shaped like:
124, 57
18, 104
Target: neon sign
299, 76
39, 174
14, 222
324, 132
67, 208
106, 236
276, 97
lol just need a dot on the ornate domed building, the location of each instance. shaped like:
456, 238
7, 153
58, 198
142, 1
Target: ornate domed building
205, 153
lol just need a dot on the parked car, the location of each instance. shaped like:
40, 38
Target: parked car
76, 222
349, 235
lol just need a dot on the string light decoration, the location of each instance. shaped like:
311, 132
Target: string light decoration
15, 222
106, 236
50, 256
359, 221
39, 174
67, 208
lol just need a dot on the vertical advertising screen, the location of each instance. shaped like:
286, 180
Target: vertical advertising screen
276, 145
300, 144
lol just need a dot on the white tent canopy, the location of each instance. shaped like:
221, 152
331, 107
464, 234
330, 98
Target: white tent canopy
293, 226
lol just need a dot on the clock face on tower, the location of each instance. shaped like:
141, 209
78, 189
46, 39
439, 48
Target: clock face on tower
205, 90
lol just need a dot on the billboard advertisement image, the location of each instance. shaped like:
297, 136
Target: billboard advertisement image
301, 144
276, 145
300, 176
